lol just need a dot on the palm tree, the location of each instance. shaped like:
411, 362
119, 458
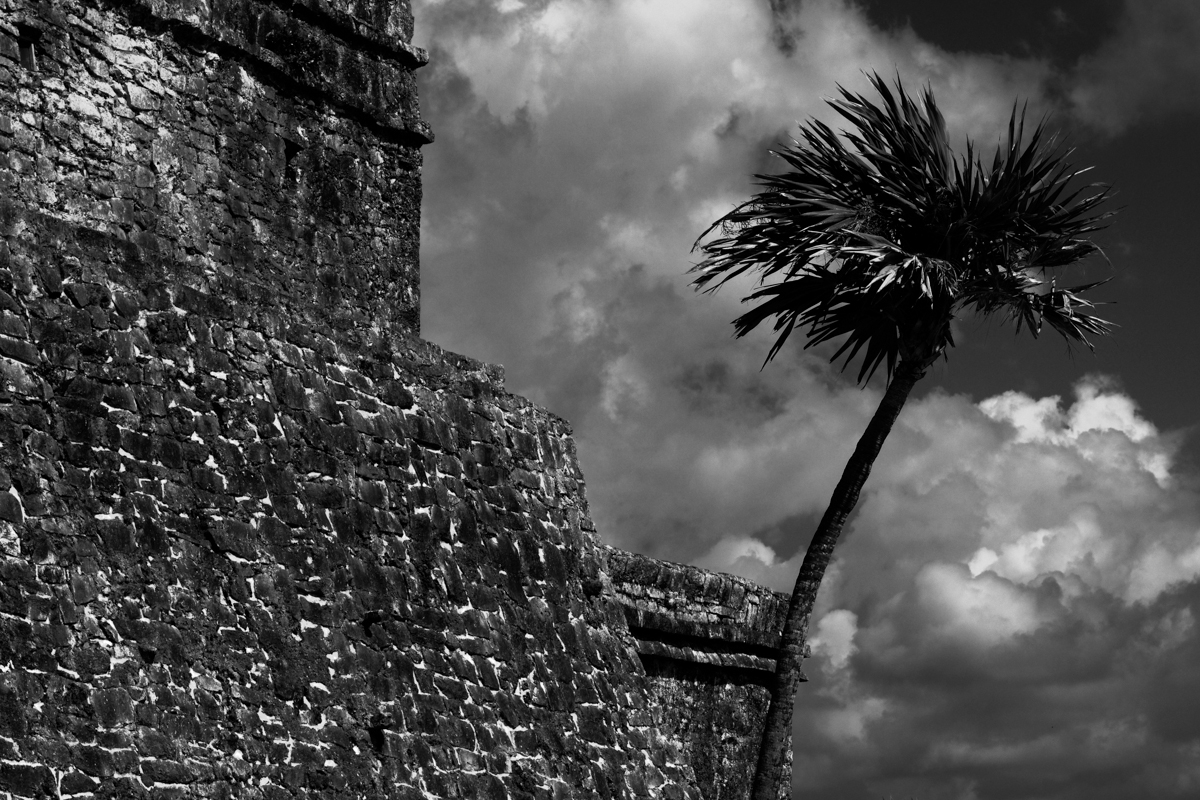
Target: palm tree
882, 236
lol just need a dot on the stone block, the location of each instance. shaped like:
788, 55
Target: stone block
26, 780
112, 707
12, 710
11, 508
74, 783
19, 350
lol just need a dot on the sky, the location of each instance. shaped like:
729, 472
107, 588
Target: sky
1012, 610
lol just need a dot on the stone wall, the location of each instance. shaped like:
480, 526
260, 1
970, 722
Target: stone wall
229, 146
708, 645
257, 539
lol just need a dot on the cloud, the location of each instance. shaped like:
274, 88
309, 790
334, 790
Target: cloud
1012, 610
576, 138
834, 639
752, 559
582, 147
1015, 564
1149, 68
1023, 578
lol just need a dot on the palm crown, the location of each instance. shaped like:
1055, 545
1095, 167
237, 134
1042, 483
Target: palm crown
885, 240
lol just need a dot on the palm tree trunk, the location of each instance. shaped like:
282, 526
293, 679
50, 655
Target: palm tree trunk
773, 750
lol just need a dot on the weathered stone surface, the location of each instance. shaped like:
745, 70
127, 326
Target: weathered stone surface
256, 538
228, 147
708, 644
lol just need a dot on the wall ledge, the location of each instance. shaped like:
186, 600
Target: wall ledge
318, 48
685, 613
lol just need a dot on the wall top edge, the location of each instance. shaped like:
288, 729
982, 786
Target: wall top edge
381, 34
384, 24
682, 600
310, 43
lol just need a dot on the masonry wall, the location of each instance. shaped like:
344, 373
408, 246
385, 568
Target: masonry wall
708, 644
227, 145
257, 539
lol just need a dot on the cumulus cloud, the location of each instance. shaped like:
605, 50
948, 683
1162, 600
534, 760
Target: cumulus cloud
582, 147
1023, 590
834, 639
752, 559
1012, 612
579, 137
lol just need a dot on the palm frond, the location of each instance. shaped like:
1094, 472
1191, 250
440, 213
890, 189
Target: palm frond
881, 234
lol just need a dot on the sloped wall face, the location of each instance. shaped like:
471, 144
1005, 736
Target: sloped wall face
311, 572
229, 146
708, 645
718, 716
